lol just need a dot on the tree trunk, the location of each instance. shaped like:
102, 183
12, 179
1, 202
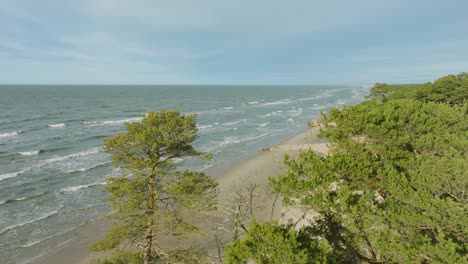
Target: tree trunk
150, 222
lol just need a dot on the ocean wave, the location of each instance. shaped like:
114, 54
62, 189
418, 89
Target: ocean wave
253, 102
111, 122
32, 243
310, 98
42, 217
264, 124
269, 114
79, 187
59, 125
234, 122
204, 112
73, 155
228, 107
95, 137
89, 167
51, 150
30, 153
204, 126
11, 174
216, 145
22, 198
318, 107
9, 134
53, 160
134, 111
281, 102
295, 112
291, 121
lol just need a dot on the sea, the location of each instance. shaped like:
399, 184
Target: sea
52, 163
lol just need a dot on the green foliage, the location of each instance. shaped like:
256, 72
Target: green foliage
379, 91
450, 89
121, 257
191, 256
152, 198
394, 188
271, 243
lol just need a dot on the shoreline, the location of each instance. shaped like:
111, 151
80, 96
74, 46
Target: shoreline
234, 180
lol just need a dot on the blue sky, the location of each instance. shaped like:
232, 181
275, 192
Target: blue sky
231, 42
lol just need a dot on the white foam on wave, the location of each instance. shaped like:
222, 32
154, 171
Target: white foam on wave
228, 107
73, 155
216, 145
42, 217
234, 122
53, 160
29, 153
83, 169
253, 102
264, 124
8, 175
23, 198
111, 122
57, 125
79, 187
281, 102
295, 112
310, 98
269, 114
11, 174
9, 134
32, 243
204, 126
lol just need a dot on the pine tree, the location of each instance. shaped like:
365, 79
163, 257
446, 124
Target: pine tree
152, 198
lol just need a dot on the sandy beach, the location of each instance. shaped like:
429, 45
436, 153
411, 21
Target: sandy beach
248, 178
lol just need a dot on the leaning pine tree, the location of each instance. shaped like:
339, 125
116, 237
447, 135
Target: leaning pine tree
152, 198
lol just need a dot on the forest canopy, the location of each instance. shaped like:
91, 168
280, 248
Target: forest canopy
392, 190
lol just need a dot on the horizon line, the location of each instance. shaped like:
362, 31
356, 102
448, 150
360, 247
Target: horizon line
243, 84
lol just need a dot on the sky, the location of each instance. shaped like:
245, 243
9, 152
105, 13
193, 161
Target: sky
231, 42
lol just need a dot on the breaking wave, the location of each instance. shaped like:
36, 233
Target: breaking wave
234, 122
9, 134
57, 125
11, 174
30, 153
79, 187
111, 122
22, 198
42, 217
281, 102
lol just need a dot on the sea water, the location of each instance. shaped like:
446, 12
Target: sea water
53, 167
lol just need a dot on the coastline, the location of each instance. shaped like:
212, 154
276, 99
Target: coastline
254, 172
